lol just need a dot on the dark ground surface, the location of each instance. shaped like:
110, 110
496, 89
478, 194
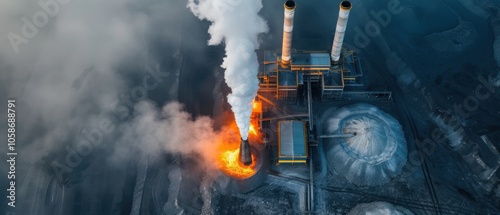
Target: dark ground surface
447, 77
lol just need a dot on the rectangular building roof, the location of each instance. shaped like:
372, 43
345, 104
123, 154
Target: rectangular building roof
333, 79
292, 145
287, 79
306, 60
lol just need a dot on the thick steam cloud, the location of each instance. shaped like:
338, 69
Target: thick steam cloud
171, 129
238, 24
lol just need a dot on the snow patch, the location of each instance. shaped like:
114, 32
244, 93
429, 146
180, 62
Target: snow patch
454, 40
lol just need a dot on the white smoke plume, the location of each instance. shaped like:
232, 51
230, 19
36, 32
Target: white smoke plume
170, 129
238, 24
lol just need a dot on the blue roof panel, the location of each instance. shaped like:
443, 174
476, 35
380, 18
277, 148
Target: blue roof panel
287, 78
311, 59
292, 139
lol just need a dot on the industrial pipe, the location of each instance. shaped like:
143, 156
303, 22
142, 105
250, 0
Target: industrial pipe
345, 7
245, 156
287, 32
336, 136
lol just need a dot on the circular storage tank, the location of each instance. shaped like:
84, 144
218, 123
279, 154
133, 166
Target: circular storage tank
376, 151
379, 208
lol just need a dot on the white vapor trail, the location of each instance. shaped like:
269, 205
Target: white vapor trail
237, 23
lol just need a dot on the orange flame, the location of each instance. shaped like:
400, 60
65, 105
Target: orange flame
255, 134
230, 164
227, 157
252, 129
256, 107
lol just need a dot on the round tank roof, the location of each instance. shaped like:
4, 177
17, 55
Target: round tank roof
375, 153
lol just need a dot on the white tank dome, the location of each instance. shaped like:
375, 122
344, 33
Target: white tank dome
377, 151
379, 208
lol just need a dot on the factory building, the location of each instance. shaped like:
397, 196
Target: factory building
353, 137
287, 73
330, 81
362, 144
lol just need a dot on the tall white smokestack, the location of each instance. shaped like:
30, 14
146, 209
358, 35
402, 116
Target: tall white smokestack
287, 32
345, 7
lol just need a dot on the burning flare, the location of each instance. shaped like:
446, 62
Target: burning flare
252, 129
229, 164
228, 151
227, 154
254, 134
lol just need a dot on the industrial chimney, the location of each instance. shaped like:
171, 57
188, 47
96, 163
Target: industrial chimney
345, 7
245, 156
287, 32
